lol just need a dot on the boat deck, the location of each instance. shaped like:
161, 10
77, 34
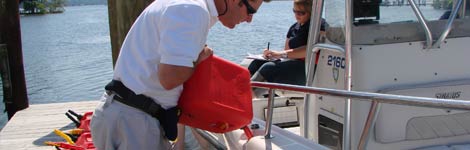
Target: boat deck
30, 128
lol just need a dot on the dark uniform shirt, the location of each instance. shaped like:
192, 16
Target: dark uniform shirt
298, 35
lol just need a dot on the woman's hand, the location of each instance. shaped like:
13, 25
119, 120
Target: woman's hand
269, 54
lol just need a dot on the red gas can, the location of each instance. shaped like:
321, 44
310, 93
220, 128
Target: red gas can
217, 97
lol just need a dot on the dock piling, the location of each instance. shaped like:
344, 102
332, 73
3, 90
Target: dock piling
122, 15
10, 34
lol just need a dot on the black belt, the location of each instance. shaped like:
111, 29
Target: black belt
152, 109
128, 97
168, 118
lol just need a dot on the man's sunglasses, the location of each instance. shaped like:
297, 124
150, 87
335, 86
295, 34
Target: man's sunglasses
300, 13
250, 10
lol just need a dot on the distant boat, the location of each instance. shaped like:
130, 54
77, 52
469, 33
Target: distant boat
57, 10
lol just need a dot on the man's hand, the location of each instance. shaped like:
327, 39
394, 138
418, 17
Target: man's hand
171, 76
205, 53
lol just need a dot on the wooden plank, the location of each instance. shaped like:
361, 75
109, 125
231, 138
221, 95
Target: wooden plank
30, 128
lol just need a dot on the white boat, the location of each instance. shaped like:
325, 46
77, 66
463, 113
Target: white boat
378, 84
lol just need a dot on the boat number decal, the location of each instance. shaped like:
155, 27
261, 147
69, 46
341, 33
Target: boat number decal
449, 95
336, 61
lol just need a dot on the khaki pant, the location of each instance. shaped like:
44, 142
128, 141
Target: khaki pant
116, 126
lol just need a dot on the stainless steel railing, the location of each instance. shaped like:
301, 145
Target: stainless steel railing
269, 119
446, 31
423, 23
313, 38
448, 27
363, 96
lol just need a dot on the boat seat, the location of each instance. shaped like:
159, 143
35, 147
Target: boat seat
447, 147
397, 123
430, 127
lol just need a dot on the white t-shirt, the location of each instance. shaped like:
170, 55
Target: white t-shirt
167, 31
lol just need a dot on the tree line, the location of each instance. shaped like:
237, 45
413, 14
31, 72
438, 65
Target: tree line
42, 6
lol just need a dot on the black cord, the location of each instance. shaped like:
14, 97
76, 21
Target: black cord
226, 8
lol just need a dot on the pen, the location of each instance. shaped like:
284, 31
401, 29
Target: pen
268, 45
269, 55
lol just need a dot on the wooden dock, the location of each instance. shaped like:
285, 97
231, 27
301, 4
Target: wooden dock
30, 128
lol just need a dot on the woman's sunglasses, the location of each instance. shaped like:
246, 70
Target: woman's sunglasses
300, 13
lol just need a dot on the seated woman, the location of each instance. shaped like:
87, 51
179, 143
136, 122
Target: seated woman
290, 69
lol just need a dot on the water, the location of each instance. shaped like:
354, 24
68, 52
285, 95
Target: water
67, 56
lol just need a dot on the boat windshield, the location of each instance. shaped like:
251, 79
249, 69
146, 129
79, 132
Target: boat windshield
334, 12
389, 11
373, 16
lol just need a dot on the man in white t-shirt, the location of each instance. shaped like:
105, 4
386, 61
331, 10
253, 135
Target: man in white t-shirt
159, 54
